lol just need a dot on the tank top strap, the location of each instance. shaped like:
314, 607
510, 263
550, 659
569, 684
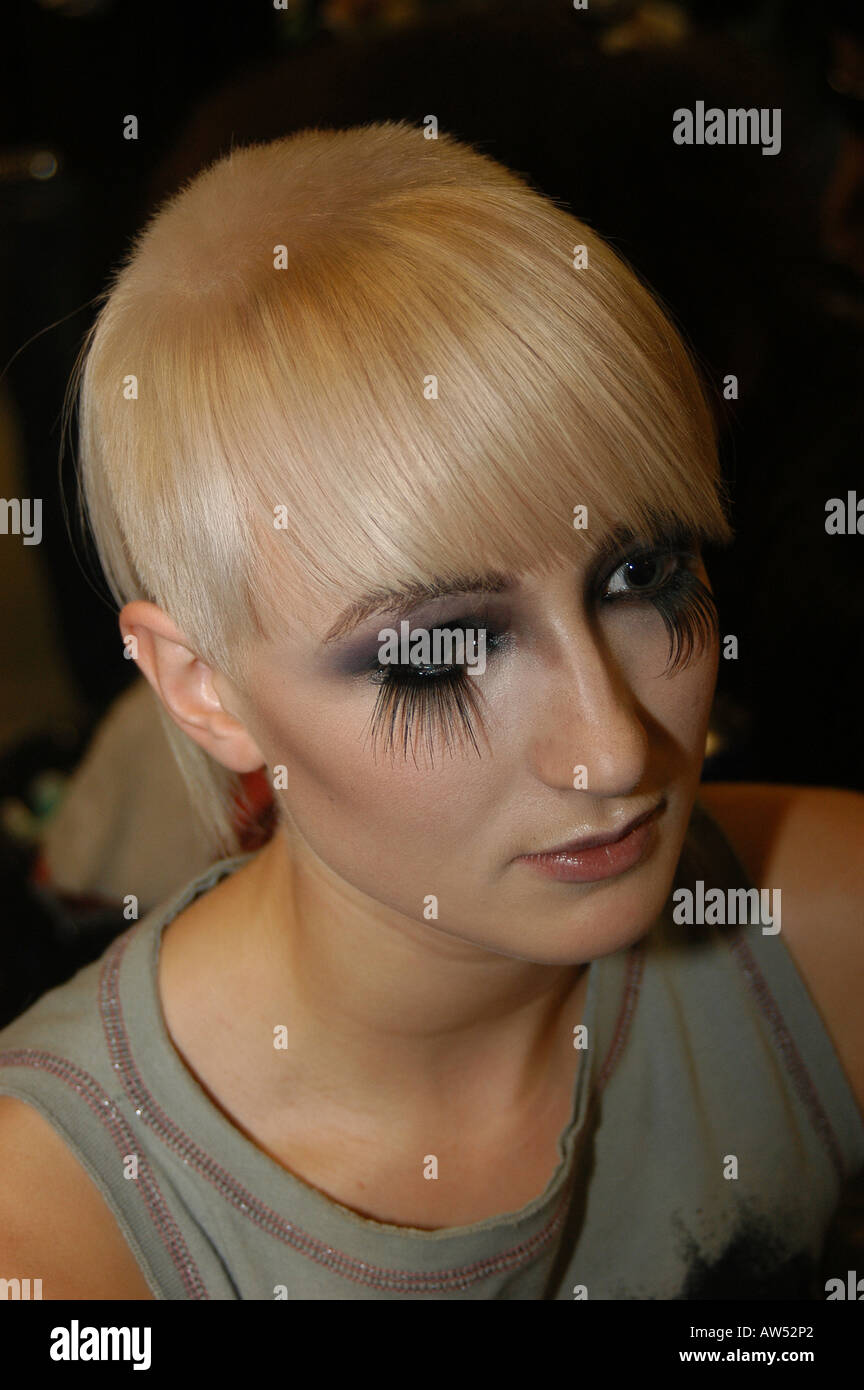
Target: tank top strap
781, 997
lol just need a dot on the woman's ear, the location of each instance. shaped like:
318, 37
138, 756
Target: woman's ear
186, 685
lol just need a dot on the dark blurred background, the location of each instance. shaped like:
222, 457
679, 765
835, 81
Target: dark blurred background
758, 258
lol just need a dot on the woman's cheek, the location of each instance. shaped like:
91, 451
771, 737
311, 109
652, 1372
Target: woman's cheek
681, 705
680, 700
345, 801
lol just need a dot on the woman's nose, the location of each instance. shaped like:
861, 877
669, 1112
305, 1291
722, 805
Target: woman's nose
589, 731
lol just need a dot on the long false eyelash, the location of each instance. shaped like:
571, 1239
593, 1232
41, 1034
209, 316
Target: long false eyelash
689, 612
426, 706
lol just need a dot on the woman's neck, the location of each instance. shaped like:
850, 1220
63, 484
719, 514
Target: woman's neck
288, 986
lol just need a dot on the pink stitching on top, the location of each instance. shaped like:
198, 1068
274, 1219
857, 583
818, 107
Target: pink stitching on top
263, 1216
795, 1065
633, 982
123, 1138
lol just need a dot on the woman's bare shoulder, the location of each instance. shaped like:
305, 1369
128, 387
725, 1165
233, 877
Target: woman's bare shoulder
55, 1225
809, 843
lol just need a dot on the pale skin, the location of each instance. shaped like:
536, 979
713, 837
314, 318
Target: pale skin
465, 1022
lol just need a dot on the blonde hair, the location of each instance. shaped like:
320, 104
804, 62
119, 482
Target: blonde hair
426, 374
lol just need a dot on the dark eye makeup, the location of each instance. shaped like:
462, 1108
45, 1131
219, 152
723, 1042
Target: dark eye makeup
432, 704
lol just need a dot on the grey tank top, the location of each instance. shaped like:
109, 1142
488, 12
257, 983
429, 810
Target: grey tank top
703, 1044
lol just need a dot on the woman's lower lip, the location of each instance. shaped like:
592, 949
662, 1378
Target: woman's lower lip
590, 865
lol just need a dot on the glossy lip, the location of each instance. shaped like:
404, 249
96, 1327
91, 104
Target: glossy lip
597, 857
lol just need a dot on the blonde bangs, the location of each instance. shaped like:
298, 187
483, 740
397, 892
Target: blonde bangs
542, 405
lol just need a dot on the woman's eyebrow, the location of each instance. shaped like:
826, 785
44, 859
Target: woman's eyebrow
398, 603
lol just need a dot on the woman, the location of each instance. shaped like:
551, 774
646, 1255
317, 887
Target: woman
450, 1033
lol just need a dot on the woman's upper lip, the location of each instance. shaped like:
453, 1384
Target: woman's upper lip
595, 841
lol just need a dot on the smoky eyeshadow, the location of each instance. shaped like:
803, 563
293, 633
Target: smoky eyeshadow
359, 655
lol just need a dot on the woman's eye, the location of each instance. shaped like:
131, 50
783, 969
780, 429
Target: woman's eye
448, 649
643, 574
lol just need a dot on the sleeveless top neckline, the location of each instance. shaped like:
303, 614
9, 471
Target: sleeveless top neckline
133, 1019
